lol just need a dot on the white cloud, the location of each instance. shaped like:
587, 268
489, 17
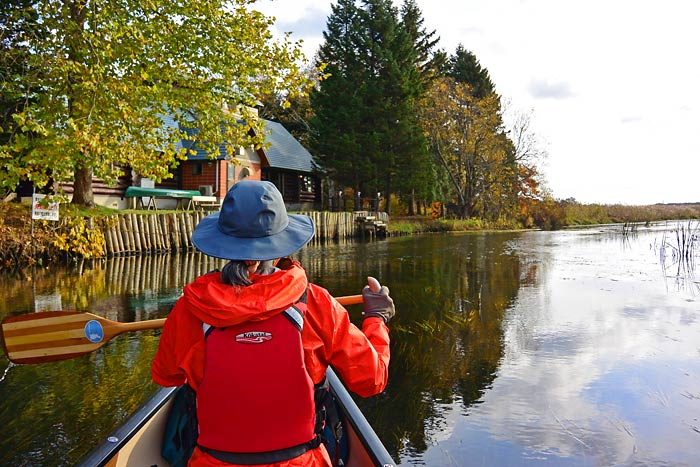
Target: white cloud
543, 89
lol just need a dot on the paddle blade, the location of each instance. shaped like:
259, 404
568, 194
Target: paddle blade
59, 335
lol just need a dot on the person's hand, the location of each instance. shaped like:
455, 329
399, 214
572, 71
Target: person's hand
378, 304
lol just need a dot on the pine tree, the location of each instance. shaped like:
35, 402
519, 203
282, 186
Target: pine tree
464, 67
428, 61
419, 177
337, 106
366, 130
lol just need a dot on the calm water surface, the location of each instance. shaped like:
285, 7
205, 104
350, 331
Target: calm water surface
573, 348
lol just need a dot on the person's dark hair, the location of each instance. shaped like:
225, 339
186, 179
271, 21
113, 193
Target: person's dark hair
235, 272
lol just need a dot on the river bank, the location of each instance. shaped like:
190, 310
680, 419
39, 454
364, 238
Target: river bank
81, 234
100, 232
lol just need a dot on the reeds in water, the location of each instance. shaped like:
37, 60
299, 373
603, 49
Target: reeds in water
680, 247
629, 228
681, 243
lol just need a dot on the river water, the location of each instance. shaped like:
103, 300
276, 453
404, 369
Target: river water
570, 348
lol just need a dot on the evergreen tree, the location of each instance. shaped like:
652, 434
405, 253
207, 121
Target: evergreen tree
464, 67
419, 178
337, 105
365, 125
428, 61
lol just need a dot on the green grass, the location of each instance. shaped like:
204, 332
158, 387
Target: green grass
418, 224
82, 211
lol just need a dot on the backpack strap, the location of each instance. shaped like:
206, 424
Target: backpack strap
259, 458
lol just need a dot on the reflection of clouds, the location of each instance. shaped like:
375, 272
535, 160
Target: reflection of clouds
600, 363
582, 331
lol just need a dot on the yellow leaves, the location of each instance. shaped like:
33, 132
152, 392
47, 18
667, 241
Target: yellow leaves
81, 240
28, 125
105, 87
435, 210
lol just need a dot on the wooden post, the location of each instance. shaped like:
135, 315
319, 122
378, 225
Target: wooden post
108, 237
120, 237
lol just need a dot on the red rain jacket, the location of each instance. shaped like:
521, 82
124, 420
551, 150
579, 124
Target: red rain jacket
329, 338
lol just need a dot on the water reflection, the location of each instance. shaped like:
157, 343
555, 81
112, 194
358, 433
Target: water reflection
559, 348
53, 413
122, 288
600, 365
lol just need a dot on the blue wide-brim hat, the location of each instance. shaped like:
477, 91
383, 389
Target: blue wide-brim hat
252, 224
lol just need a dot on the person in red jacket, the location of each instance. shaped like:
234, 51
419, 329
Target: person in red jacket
254, 340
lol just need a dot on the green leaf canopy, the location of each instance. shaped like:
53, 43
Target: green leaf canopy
98, 77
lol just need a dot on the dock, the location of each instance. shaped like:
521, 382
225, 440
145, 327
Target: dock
370, 225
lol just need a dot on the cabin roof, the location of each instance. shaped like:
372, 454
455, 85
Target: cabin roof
282, 151
285, 151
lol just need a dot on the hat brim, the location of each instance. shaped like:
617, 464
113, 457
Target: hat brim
211, 241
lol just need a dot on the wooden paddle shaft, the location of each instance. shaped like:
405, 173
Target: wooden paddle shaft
349, 300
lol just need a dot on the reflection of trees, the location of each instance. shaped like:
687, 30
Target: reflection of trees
52, 414
447, 338
113, 288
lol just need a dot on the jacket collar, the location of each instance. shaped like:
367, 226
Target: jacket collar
221, 305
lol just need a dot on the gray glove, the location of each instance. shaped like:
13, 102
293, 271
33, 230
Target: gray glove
378, 304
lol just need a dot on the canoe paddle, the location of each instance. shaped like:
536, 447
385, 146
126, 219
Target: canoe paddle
59, 335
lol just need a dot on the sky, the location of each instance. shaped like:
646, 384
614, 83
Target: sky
612, 86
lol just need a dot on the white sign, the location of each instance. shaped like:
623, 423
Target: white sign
48, 213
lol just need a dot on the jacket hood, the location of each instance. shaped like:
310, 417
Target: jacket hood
221, 305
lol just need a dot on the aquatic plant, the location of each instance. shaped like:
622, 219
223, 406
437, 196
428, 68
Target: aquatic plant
630, 228
681, 242
679, 246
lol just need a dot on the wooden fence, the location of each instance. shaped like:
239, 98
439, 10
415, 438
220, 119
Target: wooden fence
135, 234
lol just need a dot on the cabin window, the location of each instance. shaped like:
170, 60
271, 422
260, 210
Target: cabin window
197, 168
306, 183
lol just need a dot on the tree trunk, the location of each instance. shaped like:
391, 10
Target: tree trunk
82, 187
411, 204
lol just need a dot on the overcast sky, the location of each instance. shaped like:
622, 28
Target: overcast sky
614, 85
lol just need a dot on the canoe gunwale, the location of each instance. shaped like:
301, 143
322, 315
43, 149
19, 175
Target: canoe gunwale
102, 454
354, 416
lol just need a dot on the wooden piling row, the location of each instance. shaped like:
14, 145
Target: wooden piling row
137, 234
